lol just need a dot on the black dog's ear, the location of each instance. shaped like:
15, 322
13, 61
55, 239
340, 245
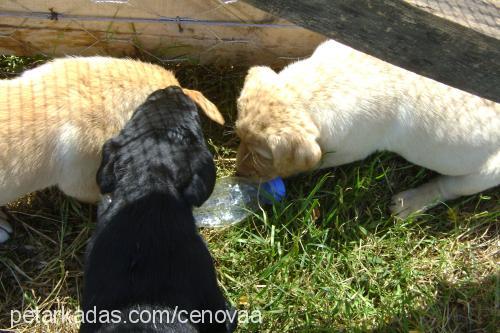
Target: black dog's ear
106, 178
202, 183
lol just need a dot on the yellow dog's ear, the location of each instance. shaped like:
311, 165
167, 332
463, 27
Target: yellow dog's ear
293, 152
208, 107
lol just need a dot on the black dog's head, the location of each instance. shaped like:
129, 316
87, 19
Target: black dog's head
161, 148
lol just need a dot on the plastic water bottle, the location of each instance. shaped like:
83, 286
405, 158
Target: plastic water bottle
234, 198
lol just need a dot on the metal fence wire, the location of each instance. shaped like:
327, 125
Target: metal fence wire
196, 31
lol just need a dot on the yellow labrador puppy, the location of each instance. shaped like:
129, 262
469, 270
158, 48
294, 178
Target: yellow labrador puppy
54, 120
341, 105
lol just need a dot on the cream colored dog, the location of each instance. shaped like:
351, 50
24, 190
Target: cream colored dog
54, 120
341, 105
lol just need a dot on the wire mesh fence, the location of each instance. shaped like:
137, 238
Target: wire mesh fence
166, 31
480, 15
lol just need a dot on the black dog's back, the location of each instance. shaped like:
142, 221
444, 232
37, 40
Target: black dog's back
146, 252
151, 254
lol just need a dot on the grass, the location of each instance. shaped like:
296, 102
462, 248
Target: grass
327, 259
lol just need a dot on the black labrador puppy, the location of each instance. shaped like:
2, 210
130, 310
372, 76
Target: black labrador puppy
146, 259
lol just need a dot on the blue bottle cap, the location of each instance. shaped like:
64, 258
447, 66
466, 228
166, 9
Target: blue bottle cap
274, 190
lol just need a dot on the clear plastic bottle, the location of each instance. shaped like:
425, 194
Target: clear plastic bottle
234, 198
